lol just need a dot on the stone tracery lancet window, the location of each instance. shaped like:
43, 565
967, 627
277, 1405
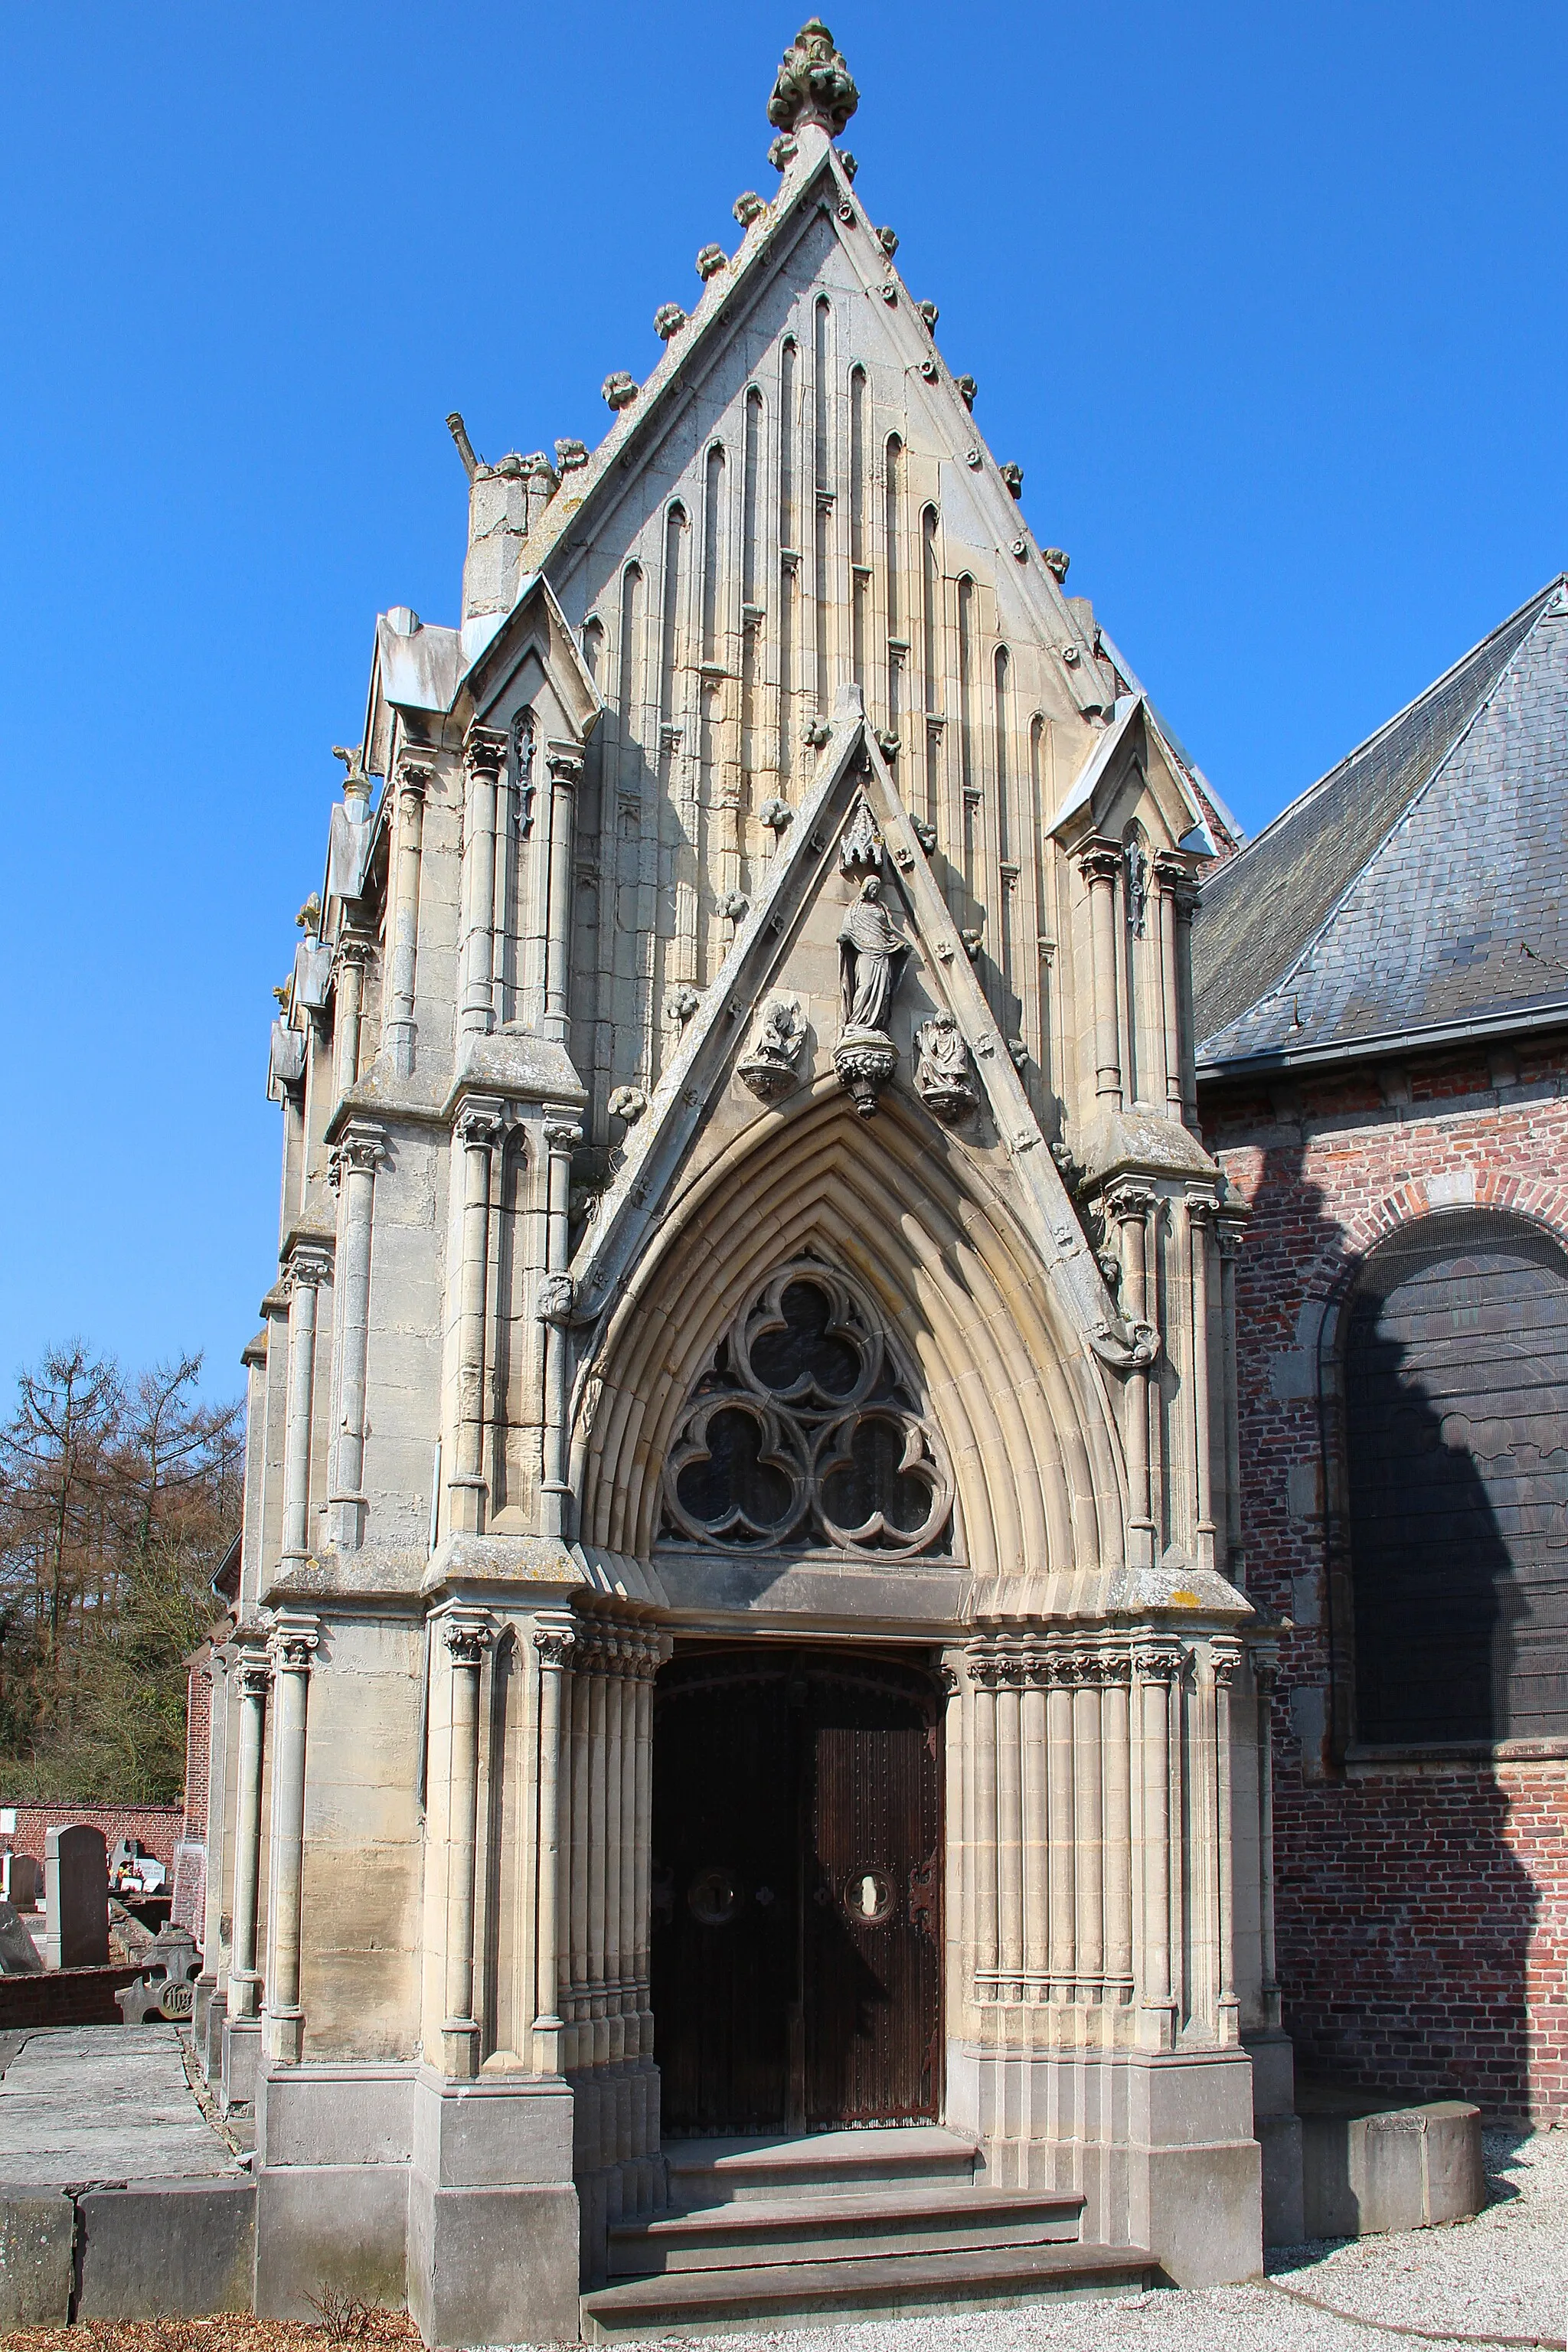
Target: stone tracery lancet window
806, 1432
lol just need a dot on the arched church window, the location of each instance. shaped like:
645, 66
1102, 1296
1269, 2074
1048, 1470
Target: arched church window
806, 1432
1455, 1419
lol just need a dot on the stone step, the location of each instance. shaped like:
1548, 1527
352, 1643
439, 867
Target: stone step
895, 2159
807, 2294
838, 2228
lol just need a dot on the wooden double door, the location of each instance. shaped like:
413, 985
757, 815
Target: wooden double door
796, 1932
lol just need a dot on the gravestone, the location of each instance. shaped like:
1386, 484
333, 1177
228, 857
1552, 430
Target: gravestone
19, 1880
18, 1953
76, 1899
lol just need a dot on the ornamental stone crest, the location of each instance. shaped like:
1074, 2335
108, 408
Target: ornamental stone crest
813, 84
806, 1432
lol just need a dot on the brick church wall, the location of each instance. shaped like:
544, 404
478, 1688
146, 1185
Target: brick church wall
1422, 1909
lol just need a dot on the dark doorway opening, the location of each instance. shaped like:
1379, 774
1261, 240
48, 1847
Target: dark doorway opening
796, 1943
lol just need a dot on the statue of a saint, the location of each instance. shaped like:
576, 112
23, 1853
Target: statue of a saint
871, 954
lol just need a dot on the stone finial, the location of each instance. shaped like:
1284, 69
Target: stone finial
813, 85
570, 455
748, 207
1057, 562
667, 320
711, 261
1013, 478
967, 388
619, 390
930, 314
308, 918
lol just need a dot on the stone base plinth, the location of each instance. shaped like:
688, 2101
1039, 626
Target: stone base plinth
1160, 2144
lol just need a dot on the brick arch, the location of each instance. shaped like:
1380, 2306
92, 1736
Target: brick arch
1328, 1283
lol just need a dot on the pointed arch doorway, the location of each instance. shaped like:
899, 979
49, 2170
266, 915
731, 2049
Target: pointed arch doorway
796, 1931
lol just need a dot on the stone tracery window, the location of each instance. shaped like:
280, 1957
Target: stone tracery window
806, 1432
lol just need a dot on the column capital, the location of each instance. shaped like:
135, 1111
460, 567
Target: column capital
481, 1122
1202, 1208
468, 1633
354, 947
484, 750
562, 1127
564, 761
554, 1644
294, 1637
1224, 1657
361, 1146
253, 1675
1130, 1204
414, 776
1160, 1662
1100, 861
307, 1268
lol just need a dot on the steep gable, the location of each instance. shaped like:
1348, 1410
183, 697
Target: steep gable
1347, 916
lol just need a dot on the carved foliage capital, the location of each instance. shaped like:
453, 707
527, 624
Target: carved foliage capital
413, 778
480, 1123
1224, 1657
308, 1269
467, 1634
1160, 1662
253, 1677
1100, 862
564, 761
555, 1645
484, 751
293, 1640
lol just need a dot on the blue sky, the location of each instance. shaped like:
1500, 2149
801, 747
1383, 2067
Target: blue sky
1268, 304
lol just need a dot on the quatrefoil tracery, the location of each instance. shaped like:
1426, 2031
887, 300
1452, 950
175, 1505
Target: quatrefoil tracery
805, 1429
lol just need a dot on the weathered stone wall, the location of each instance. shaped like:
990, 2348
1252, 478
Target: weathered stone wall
1422, 1908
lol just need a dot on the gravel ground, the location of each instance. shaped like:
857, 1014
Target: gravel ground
1502, 2275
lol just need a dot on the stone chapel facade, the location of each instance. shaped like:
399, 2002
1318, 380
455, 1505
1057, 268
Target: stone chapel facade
741, 1624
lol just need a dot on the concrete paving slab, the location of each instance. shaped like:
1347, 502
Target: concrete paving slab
110, 2104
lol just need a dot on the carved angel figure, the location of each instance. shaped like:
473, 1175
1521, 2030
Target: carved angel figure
942, 1073
871, 956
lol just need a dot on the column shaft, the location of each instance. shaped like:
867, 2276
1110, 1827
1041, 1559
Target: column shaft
1117, 1735
1199, 1215
293, 1640
354, 1164
465, 1637
1226, 1660
478, 1130
1010, 1825
1156, 1669
398, 1026
483, 752
244, 1978
1089, 1833
1036, 1849
306, 1272
1061, 1832
1100, 866
553, 1645
565, 764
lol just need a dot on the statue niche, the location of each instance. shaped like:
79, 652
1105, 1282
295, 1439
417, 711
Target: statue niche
872, 953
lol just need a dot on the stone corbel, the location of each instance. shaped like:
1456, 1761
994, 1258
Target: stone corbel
1125, 1347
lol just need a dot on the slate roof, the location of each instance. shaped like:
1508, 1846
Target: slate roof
1417, 889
